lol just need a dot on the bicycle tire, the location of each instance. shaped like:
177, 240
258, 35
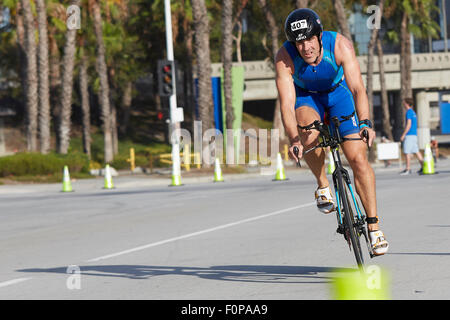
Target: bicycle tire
349, 220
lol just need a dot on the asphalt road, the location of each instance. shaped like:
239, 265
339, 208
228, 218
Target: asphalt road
245, 238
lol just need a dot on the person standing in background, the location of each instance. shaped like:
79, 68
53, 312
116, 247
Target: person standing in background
409, 137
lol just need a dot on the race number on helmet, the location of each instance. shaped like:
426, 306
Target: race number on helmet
302, 24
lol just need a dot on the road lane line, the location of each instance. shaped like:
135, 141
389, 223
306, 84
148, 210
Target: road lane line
232, 224
11, 282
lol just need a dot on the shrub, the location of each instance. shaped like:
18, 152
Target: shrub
23, 164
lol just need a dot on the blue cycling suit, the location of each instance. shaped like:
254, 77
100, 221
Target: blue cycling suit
314, 84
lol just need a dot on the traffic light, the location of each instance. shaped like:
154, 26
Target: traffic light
166, 73
163, 115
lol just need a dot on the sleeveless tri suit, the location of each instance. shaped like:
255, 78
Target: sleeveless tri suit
323, 87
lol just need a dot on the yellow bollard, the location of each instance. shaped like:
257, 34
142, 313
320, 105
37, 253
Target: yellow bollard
197, 159
132, 160
187, 157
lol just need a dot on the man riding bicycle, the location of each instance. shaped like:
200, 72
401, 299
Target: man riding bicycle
316, 73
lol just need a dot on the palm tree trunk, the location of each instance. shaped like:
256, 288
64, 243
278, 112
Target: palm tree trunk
370, 63
227, 56
20, 31
202, 53
31, 77
55, 82
405, 69
342, 18
238, 39
384, 96
85, 107
126, 107
66, 89
306, 4
44, 91
273, 30
104, 85
271, 25
114, 131
236, 21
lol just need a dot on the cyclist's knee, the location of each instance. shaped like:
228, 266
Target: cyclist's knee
359, 162
309, 138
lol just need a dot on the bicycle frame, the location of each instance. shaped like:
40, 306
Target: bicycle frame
355, 226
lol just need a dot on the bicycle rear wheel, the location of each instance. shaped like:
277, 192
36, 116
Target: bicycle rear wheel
348, 211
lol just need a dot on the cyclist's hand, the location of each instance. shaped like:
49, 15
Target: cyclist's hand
370, 134
292, 154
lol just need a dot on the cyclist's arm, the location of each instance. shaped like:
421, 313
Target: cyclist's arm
286, 92
345, 56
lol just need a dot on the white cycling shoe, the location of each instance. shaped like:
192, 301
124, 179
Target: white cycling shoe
324, 200
378, 242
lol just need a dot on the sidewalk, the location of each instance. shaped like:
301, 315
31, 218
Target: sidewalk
162, 178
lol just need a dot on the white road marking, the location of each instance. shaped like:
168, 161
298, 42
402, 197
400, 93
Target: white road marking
232, 224
11, 282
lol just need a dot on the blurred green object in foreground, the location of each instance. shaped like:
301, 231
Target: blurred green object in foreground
372, 284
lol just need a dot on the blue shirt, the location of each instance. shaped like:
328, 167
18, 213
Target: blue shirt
411, 115
321, 77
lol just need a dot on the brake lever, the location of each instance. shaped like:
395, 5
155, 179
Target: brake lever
296, 154
366, 135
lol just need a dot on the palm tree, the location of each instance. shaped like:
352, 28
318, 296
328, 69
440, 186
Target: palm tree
405, 58
370, 53
273, 30
236, 21
57, 13
21, 50
44, 90
387, 128
68, 64
202, 53
227, 56
104, 85
126, 107
413, 17
31, 76
342, 18
85, 106
306, 3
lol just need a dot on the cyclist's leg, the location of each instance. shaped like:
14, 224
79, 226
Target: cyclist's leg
355, 153
306, 112
342, 104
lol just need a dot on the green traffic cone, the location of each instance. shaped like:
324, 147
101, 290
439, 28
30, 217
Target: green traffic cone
428, 161
372, 284
331, 166
280, 174
108, 178
217, 172
67, 185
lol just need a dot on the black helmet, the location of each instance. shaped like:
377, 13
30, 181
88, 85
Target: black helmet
302, 24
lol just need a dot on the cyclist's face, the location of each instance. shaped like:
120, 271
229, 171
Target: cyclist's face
309, 49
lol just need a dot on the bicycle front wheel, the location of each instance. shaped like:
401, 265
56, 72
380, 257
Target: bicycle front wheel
350, 227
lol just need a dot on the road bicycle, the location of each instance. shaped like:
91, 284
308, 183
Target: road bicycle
350, 214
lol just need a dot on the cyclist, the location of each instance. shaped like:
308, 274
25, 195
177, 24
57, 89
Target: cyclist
317, 72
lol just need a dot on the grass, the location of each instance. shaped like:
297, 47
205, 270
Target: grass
256, 121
